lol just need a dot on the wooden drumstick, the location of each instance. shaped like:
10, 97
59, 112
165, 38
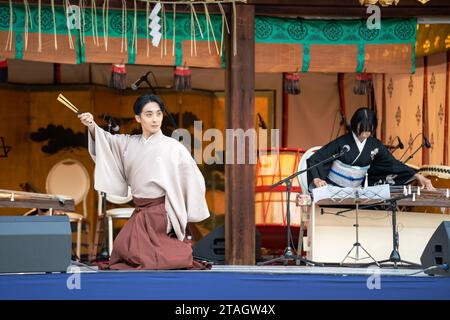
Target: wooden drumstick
67, 103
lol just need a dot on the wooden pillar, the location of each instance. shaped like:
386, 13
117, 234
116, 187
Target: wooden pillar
240, 114
425, 129
285, 116
383, 110
342, 106
446, 137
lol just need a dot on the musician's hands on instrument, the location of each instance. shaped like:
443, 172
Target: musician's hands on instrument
319, 182
87, 119
424, 182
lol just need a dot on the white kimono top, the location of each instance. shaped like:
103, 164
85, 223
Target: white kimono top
156, 167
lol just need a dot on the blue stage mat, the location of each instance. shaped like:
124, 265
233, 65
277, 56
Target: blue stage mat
195, 285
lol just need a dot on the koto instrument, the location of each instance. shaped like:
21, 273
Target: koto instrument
439, 198
21, 199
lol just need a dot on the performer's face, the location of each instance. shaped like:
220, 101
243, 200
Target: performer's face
364, 135
150, 118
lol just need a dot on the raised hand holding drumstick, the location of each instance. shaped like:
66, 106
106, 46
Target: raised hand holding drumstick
86, 118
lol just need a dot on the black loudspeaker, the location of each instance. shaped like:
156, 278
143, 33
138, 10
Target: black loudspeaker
437, 251
212, 246
35, 244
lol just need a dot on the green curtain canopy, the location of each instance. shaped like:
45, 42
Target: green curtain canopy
335, 32
268, 30
277, 30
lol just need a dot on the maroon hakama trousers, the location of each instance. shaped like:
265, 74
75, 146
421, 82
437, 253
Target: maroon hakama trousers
143, 242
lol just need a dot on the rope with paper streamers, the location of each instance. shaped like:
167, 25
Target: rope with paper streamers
94, 23
194, 19
40, 26
105, 16
224, 22
9, 40
124, 40
134, 41
154, 25
164, 31
208, 21
66, 12
147, 18
28, 21
82, 21
174, 28
54, 24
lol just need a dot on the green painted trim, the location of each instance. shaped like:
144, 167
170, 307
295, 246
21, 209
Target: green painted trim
360, 64
131, 52
306, 58
78, 48
413, 55
285, 30
178, 52
81, 57
267, 29
18, 42
223, 64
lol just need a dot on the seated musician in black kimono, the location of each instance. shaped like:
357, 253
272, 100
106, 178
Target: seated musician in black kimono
366, 158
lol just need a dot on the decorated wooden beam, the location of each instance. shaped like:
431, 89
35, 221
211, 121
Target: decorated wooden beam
97, 35
181, 6
349, 8
299, 8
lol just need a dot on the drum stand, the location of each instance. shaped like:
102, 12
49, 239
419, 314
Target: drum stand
357, 244
300, 238
288, 254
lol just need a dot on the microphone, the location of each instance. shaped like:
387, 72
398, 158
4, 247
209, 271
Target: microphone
345, 149
427, 143
114, 125
400, 144
262, 124
138, 82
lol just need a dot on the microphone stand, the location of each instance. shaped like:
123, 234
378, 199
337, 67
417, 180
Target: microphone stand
412, 155
104, 254
153, 91
6, 149
172, 120
288, 253
395, 149
394, 257
357, 245
417, 135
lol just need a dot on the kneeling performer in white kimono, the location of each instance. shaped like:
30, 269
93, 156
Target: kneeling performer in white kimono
168, 190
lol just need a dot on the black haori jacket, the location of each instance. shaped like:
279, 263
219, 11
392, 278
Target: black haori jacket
384, 168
